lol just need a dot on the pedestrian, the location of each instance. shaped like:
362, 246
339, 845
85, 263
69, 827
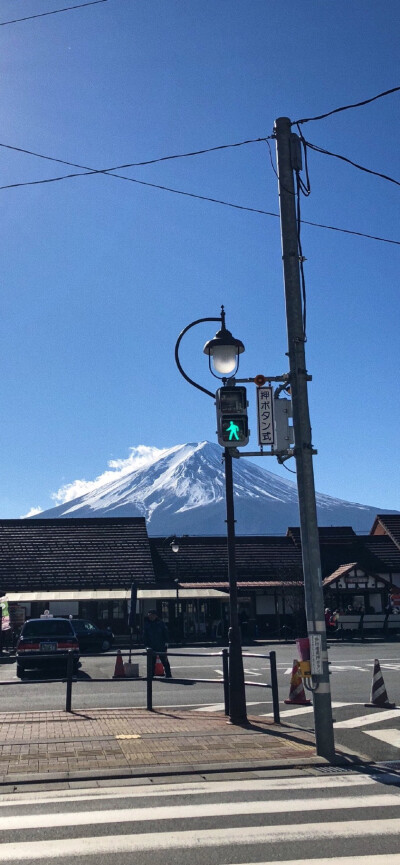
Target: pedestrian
156, 638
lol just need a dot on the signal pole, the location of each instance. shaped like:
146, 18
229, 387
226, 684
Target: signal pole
286, 143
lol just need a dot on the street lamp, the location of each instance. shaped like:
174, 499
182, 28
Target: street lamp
175, 549
223, 354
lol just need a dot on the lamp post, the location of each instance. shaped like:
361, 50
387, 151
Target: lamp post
223, 354
175, 549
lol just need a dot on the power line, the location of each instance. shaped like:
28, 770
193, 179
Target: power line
54, 12
133, 164
347, 107
349, 231
349, 161
106, 172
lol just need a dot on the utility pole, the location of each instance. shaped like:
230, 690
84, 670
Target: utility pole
287, 145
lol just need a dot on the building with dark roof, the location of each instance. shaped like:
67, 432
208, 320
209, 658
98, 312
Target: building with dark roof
87, 566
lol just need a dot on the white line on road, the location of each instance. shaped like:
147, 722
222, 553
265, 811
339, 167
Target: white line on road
302, 710
187, 840
363, 720
219, 707
193, 789
193, 812
391, 736
379, 859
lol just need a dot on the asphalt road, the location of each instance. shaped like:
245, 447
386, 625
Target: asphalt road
311, 816
373, 733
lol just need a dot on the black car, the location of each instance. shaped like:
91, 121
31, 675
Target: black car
91, 638
44, 643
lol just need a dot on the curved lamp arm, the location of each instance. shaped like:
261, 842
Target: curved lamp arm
178, 363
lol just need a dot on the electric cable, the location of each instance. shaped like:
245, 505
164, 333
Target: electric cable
54, 12
107, 173
349, 161
347, 107
300, 252
132, 164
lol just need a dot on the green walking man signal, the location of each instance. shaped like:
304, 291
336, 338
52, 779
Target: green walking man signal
233, 425
233, 431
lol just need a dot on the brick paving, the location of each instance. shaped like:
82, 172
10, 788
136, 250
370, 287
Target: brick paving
132, 740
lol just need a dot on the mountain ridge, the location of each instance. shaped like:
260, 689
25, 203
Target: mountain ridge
182, 491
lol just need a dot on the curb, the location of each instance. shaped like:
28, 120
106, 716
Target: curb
143, 772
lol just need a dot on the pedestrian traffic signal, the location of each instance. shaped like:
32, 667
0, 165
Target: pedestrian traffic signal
234, 430
233, 426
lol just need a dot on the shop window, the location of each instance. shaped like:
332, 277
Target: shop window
118, 610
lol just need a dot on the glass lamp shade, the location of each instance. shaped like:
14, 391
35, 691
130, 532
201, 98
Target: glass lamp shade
175, 547
224, 358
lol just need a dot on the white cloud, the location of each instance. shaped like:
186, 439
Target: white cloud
140, 457
31, 513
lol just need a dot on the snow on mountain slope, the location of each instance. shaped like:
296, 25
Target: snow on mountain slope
181, 490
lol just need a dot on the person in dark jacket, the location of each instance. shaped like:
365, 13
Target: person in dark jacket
156, 638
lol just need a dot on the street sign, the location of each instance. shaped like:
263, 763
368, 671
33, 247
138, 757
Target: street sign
316, 654
265, 413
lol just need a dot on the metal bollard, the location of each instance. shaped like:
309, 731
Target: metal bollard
149, 653
225, 672
274, 685
70, 668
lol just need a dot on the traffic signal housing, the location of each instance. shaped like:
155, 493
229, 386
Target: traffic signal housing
232, 420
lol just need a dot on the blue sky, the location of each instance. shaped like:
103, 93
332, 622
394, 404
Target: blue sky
99, 275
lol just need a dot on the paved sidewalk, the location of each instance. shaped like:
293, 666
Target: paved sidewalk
132, 742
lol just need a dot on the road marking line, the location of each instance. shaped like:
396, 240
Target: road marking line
219, 707
344, 668
363, 720
187, 840
193, 789
193, 812
379, 859
391, 736
302, 710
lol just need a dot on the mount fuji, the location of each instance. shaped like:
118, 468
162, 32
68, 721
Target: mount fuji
181, 490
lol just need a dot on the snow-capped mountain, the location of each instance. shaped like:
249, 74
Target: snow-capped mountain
182, 491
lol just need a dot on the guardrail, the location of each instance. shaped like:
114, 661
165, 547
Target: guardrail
365, 624
149, 654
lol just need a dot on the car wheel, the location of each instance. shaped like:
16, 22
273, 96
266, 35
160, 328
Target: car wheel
105, 646
20, 671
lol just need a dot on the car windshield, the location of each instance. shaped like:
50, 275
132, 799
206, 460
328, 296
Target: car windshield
82, 627
47, 628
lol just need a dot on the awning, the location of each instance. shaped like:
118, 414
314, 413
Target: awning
114, 595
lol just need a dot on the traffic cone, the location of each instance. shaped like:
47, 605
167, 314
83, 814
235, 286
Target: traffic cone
158, 669
379, 695
119, 672
297, 694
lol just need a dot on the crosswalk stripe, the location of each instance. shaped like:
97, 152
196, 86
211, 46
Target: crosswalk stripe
186, 840
302, 710
268, 785
219, 707
192, 812
391, 736
379, 859
372, 718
